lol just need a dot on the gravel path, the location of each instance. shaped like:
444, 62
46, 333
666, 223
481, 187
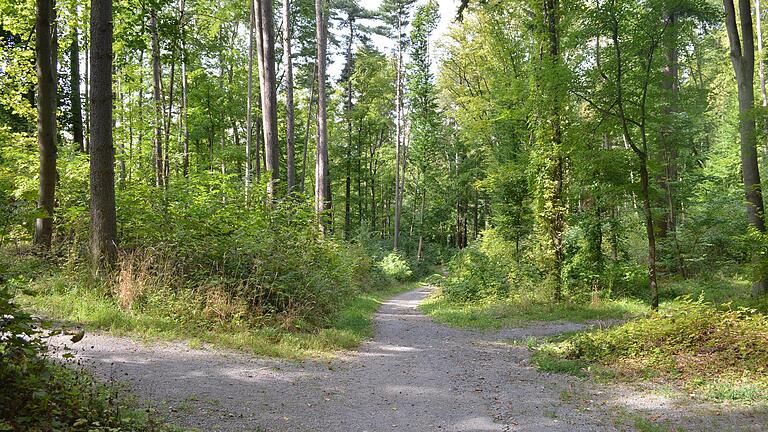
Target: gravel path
415, 375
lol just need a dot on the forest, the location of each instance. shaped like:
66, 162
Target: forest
424, 204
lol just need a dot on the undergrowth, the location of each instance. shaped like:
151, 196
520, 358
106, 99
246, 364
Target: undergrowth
716, 353
40, 394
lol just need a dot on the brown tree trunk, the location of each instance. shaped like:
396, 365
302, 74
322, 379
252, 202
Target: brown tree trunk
266, 54
158, 99
398, 132
249, 112
309, 123
184, 102
46, 122
74, 66
289, 118
103, 248
322, 182
743, 62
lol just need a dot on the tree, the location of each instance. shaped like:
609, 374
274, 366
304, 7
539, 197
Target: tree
46, 121
75, 102
322, 181
549, 86
265, 48
396, 14
103, 241
742, 53
158, 100
424, 116
289, 119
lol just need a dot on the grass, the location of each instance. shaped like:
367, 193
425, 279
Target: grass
498, 313
60, 297
714, 353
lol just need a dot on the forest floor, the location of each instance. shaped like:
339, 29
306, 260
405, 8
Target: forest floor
414, 375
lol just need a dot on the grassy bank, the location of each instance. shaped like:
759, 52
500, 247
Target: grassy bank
713, 353
509, 312
62, 297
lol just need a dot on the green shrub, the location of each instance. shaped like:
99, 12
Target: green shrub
38, 394
492, 267
395, 267
689, 340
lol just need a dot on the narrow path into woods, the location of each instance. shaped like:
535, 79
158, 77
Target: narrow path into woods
415, 375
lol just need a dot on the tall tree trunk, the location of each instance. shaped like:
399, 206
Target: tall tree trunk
74, 67
551, 9
309, 123
184, 101
249, 113
744, 68
46, 122
103, 248
87, 45
158, 99
760, 60
322, 182
398, 130
289, 119
169, 116
348, 180
266, 54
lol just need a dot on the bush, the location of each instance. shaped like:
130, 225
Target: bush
37, 394
395, 267
489, 268
688, 339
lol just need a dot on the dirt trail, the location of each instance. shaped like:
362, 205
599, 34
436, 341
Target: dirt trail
415, 375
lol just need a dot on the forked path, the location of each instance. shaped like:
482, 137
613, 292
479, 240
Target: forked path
415, 375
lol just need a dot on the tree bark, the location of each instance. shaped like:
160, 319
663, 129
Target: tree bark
184, 101
249, 112
46, 122
103, 247
743, 62
75, 101
398, 131
289, 118
158, 99
322, 182
268, 81
309, 123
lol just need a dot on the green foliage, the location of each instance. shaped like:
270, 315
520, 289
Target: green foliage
37, 393
722, 352
395, 267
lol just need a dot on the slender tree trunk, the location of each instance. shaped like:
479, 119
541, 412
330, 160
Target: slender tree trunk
398, 131
121, 145
322, 182
289, 118
169, 116
74, 66
184, 101
760, 60
158, 99
46, 122
348, 180
268, 81
309, 123
87, 45
249, 113
103, 239
743, 62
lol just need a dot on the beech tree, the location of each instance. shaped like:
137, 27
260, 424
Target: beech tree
742, 53
46, 120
